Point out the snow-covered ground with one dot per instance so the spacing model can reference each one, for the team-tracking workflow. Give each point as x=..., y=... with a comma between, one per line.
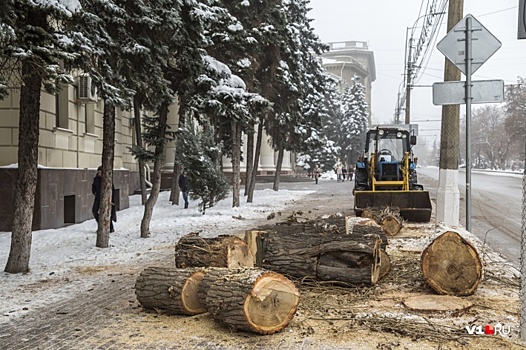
x=58, y=254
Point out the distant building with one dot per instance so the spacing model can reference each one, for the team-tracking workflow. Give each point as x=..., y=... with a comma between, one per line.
x=347, y=59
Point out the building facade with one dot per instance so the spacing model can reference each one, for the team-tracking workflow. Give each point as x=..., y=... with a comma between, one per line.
x=70, y=150
x=348, y=59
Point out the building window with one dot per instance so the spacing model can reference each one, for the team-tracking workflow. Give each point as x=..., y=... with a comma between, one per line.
x=89, y=117
x=62, y=107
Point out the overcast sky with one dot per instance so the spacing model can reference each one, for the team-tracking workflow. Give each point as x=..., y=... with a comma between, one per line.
x=383, y=25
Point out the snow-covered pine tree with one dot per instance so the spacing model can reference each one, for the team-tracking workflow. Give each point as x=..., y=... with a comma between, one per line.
x=35, y=37
x=357, y=117
x=200, y=155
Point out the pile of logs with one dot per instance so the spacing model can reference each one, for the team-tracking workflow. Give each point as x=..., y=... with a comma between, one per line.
x=388, y=218
x=249, y=299
x=245, y=283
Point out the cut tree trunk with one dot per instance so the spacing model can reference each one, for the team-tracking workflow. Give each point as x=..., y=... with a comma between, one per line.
x=222, y=251
x=385, y=264
x=170, y=289
x=388, y=218
x=363, y=226
x=255, y=300
x=321, y=250
x=451, y=265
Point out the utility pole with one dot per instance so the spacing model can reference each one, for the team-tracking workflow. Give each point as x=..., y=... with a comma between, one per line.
x=408, y=86
x=448, y=195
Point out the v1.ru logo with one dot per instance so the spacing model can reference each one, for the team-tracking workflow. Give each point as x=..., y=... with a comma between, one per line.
x=488, y=329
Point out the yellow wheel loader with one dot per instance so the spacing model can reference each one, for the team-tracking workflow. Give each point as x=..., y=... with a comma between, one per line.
x=385, y=174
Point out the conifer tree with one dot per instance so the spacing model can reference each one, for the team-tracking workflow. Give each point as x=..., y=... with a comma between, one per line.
x=35, y=38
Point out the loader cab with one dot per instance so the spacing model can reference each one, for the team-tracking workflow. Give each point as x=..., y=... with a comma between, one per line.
x=389, y=144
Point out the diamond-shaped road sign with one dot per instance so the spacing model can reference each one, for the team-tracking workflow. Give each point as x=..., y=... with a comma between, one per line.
x=453, y=45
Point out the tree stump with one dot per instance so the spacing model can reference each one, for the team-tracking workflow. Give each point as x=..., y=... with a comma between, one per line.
x=321, y=250
x=437, y=303
x=388, y=218
x=170, y=289
x=451, y=265
x=255, y=300
x=222, y=251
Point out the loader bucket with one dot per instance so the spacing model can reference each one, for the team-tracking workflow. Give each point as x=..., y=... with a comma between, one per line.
x=414, y=205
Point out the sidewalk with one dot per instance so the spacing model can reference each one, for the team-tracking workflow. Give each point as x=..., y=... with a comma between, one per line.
x=91, y=305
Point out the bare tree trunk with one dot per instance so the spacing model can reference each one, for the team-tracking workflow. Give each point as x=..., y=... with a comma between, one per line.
x=26, y=183
x=106, y=192
x=256, y=162
x=236, y=160
x=175, y=190
x=156, y=178
x=138, y=136
x=249, y=157
x=281, y=152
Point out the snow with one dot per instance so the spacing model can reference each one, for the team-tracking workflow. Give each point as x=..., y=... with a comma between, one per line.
x=71, y=6
x=59, y=254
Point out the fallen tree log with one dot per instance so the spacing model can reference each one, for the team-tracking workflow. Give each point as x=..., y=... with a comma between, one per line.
x=451, y=265
x=321, y=250
x=359, y=226
x=222, y=251
x=388, y=218
x=170, y=289
x=253, y=300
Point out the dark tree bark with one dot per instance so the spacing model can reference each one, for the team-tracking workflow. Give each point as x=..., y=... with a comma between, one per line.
x=255, y=300
x=138, y=136
x=26, y=184
x=236, y=161
x=279, y=162
x=106, y=193
x=249, y=159
x=156, y=178
x=256, y=161
x=170, y=289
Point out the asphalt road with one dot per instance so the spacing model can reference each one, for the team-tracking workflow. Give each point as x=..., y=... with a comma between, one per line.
x=496, y=200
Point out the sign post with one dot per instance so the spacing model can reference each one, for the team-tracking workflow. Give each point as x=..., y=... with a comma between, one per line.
x=468, y=45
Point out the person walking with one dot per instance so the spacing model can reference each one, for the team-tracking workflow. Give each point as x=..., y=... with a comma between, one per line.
x=96, y=187
x=316, y=172
x=183, y=186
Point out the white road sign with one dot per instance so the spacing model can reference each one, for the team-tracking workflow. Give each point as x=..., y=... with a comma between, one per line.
x=454, y=92
x=453, y=45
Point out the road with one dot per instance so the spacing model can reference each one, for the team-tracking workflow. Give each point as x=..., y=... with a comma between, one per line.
x=496, y=200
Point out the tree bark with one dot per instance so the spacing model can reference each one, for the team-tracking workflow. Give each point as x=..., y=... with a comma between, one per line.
x=156, y=178
x=222, y=251
x=236, y=161
x=279, y=163
x=106, y=192
x=321, y=250
x=255, y=300
x=451, y=265
x=256, y=161
x=175, y=190
x=170, y=289
x=138, y=140
x=26, y=183
x=363, y=226
x=388, y=218
x=249, y=159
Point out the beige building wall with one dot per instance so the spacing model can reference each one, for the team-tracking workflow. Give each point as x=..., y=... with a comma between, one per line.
x=346, y=59
x=70, y=131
